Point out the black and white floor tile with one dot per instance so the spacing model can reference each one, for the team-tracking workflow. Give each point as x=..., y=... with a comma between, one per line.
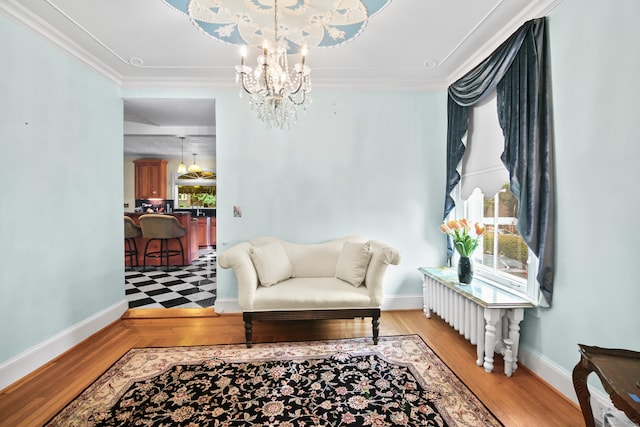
x=191, y=286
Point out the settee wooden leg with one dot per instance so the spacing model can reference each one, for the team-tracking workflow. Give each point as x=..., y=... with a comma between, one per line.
x=248, y=329
x=375, y=323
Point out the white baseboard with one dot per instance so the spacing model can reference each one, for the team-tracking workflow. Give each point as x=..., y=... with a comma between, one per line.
x=549, y=371
x=561, y=380
x=227, y=306
x=403, y=302
x=35, y=357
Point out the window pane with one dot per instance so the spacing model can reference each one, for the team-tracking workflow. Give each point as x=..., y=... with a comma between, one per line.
x=503, y=248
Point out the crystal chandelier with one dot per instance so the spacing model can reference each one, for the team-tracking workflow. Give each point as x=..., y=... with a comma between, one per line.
x=275, y=93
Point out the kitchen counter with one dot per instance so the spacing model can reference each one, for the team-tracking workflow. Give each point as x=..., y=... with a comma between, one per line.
x=189, y=240
x=199, y=212
x=206, y=218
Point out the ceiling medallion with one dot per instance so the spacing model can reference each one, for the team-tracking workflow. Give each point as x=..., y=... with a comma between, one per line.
x=310, y=23
x=279, y=28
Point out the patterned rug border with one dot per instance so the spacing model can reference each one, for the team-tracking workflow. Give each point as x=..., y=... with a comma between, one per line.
x=269, y=351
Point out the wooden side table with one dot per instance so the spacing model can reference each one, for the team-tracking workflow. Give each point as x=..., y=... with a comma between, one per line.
x=619, y=372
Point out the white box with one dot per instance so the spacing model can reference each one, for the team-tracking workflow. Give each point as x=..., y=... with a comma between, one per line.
x=611, y=417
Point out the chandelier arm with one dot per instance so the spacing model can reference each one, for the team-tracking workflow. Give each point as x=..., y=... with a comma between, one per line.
x=304, y=95
x=300, y=85
x=243, y=83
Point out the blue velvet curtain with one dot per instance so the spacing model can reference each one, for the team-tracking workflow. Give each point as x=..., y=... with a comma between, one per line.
x=519, y=71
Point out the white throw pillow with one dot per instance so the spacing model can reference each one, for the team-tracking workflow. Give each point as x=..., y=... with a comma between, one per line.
x=271, y=263
x=353, y=262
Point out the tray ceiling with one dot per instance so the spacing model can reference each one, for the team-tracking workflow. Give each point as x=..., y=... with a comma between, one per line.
x=409, y=44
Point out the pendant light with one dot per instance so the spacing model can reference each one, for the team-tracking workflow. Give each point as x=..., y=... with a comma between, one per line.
x=194, y=168
x=182, y=168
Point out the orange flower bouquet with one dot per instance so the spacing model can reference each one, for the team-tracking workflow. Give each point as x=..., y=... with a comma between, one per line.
x=465, y=235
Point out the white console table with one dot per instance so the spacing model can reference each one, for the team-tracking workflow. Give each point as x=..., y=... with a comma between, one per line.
x=484, y=314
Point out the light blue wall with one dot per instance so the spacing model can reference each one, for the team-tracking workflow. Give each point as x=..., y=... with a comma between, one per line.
x=61, y=217
x=595, y=62
x=357, y=163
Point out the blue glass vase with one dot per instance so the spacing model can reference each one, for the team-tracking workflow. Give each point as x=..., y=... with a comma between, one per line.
x=465, y=270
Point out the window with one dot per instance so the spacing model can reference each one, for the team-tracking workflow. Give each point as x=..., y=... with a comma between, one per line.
x=503, y=258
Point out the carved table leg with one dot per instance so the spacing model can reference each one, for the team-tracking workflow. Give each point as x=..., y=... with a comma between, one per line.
x=480, y=333
x=515, y=316
x=580, y=374
x=492, y=316
x=508, y=357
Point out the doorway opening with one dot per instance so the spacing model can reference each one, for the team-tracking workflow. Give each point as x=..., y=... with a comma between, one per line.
x=160, y=136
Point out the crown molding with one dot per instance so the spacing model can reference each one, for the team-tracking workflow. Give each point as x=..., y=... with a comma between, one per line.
x=179, y=83
x=537, y=10
x=218, y=83
x=382, y=84
x=17, y=13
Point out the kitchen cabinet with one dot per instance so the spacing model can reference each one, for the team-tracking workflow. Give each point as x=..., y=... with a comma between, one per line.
x=203, y=232
x=150, y=179
x=206, y=231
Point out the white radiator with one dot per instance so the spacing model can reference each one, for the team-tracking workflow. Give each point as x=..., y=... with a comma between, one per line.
x=464, y=315
x=467, y=316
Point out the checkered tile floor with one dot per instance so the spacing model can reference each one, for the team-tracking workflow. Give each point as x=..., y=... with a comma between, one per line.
x=193, y=286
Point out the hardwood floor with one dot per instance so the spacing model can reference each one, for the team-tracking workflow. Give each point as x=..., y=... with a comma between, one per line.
x=523, y=400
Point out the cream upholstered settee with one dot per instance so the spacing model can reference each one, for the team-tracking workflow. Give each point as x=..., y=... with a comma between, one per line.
x=280, y=280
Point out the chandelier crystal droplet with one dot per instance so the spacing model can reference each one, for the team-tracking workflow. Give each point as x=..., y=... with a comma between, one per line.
x=274, y=92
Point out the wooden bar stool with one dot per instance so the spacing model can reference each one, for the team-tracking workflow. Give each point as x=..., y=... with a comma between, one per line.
x=163, y=228
x=131, y=231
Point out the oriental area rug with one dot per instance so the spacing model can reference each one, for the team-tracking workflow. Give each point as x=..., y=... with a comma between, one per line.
x=352, y=382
